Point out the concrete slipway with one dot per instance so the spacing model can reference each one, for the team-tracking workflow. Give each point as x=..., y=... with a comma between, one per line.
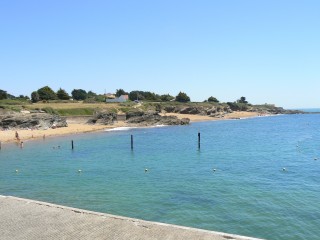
x=28, y=219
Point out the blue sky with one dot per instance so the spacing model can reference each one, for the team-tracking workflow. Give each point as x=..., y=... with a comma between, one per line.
x=267, y=51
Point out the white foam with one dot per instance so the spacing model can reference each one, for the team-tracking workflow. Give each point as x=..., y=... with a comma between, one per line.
x=129, y=128
x=160, y=126
x=119, y=129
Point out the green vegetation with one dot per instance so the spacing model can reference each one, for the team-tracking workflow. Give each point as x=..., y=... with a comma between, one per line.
x=182, y=97
x=35, y=97
x=213, y=99
x=75, y=111
x=120, y=92
x=46, y=93
x=166, y=98
x=236, y=106
x=49, y=110
x=242, y=100
x=3, y=94
x=62, y=94
x=86, y=103
x=79, y=94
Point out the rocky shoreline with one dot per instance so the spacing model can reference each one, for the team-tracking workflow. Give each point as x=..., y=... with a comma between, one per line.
x=137, y=117
x=31, y=121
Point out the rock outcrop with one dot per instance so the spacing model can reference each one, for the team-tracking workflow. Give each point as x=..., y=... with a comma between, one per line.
x=212, y=111
x=103, y=117
x=153, y=118
x=138, y=117
x=31, y=121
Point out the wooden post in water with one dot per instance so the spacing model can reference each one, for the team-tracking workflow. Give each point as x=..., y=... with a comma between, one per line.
x=199, y=140
x=72, y=144
x=0, y=145
x=131, y=142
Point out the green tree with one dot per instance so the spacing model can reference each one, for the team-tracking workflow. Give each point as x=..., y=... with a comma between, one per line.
x=242, y=100
x=91, y=94
x=213, y=99
x=10, y=96
x=46, y=93
x=3, y=94
x=150, y=96
x=79, y=94
x=22, y=97
x=62, y=94
x=136, y=95
x=166, y=97
x=35, y=97
x=182, y=97
x=120, y=92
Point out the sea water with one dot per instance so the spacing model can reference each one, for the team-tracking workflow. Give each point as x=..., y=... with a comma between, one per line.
x=257, y=177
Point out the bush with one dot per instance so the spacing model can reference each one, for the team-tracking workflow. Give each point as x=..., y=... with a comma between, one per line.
x=79, y=94
x=182, y=97
x=46, y=93
x=62, y=94
x=237, y=106
x=213, y=99
x=35, y=96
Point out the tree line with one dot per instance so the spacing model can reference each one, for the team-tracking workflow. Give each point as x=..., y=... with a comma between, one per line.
x=46, y=93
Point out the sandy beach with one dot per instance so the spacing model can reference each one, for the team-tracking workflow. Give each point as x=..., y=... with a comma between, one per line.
x=78, y=126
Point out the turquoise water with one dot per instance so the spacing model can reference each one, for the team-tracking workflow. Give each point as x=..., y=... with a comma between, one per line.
x=248, y=194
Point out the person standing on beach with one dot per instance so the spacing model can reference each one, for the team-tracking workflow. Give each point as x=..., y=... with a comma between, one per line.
x=17, y=135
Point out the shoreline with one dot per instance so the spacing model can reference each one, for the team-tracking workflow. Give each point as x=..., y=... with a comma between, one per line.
x=76, y=127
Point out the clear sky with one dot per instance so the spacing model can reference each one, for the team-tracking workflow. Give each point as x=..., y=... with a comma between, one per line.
x=265, y=50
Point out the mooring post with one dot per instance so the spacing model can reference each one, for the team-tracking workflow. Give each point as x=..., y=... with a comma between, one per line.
x=131, y=142
x=72, y=144
x=0, y=145
x=198, y=139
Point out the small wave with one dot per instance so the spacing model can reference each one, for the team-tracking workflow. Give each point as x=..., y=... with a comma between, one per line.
x=130, y=128
x=160, y=126
x=119, y=129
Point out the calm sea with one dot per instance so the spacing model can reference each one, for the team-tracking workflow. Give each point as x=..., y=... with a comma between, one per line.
x=265, y=183
x=309, y=110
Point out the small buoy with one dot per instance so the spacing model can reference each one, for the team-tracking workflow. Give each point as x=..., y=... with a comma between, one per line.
x=214, y=169
x=146, y=170
x=284, y=169
x=17, y=170
x=315, y=158
x=79, y=171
